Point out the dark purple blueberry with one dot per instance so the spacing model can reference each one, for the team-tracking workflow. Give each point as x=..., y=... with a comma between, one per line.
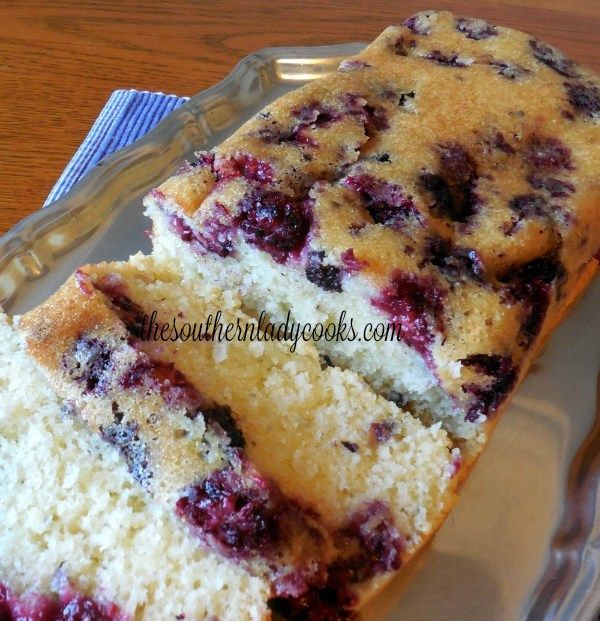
x=475, y=28
x=499, y=142
x=351, y=263
x=406, y=97
x=417, y=24
x=509, y=70
x=221, y=418
x=456, y=263
x=379, y=543
x=553, y=58
x=500, y=377
x=382, y=431
x=351, y=64
x=449, y=60
x=234, y=512
x=548, y=153
x=89, y=363
x=115, y=289
x=319, y=603
x=415, y=305
x=531, y=284
x=124, y=436
x=453, y=187
x=243, y=165
x=402, y=46
x=386, y=202
x=584, y=97
x=530, y=206
x=372, y=117
x=275, y=223
x=316, y=113
x=328, y=277
x=557, y=188
x=325, y=361
x=350, y=446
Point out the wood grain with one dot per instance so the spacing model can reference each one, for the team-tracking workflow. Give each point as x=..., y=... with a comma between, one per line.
x=59, y=61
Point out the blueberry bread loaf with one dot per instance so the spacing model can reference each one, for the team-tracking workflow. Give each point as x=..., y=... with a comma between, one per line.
x=443, y=183
x=292, y=469
x=80, y=540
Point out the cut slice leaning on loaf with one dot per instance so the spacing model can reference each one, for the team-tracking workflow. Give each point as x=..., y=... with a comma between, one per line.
x=298, y=473
x=444, y=183
x=78, y=535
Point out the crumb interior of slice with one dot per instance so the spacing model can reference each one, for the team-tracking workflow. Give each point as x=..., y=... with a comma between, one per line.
x=299, y=473
x=391, y=367
x=312, y=429
x=71, y=509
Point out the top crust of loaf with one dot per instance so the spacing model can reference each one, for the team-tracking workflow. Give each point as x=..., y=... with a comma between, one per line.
x=452, y=158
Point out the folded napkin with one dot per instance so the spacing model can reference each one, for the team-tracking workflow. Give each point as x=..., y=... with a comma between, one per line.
x=127, y=116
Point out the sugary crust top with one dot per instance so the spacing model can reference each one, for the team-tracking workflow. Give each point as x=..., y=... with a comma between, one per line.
x=451, y=158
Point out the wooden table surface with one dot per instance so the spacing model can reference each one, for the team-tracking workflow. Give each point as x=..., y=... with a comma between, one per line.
x=60, y=60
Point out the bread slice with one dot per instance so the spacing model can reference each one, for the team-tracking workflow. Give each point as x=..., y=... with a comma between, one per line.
x=75, y=525
x=299, y=473
x=442, y=185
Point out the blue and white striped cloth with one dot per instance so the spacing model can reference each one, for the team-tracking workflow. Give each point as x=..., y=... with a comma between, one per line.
x=127, y=116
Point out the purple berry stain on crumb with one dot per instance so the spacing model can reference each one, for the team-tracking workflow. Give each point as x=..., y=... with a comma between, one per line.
x=233, y=511
x=275, y=223
x=370, y=544
x=531, y=284
x=415, y=305
x=476, y=29
x=386, y=202
x=453, y=187
x=456, y=263
x=88, y=363
x=216, y=235
x=328, y=277
x=243, y=165
x=553, y=58
x=584, y=97
x=351, y=263
x=548, y=154
x=124, y=436
x=500, y=376
x=351, y=64
x=381, y=431
x=456, y=465
x=67, y=605
x=172, y=385
x=204, y=159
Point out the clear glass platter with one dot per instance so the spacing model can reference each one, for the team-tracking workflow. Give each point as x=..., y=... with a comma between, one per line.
x=524, y=540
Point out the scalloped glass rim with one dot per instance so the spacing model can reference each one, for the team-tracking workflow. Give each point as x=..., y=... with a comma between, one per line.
x=100, y=219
